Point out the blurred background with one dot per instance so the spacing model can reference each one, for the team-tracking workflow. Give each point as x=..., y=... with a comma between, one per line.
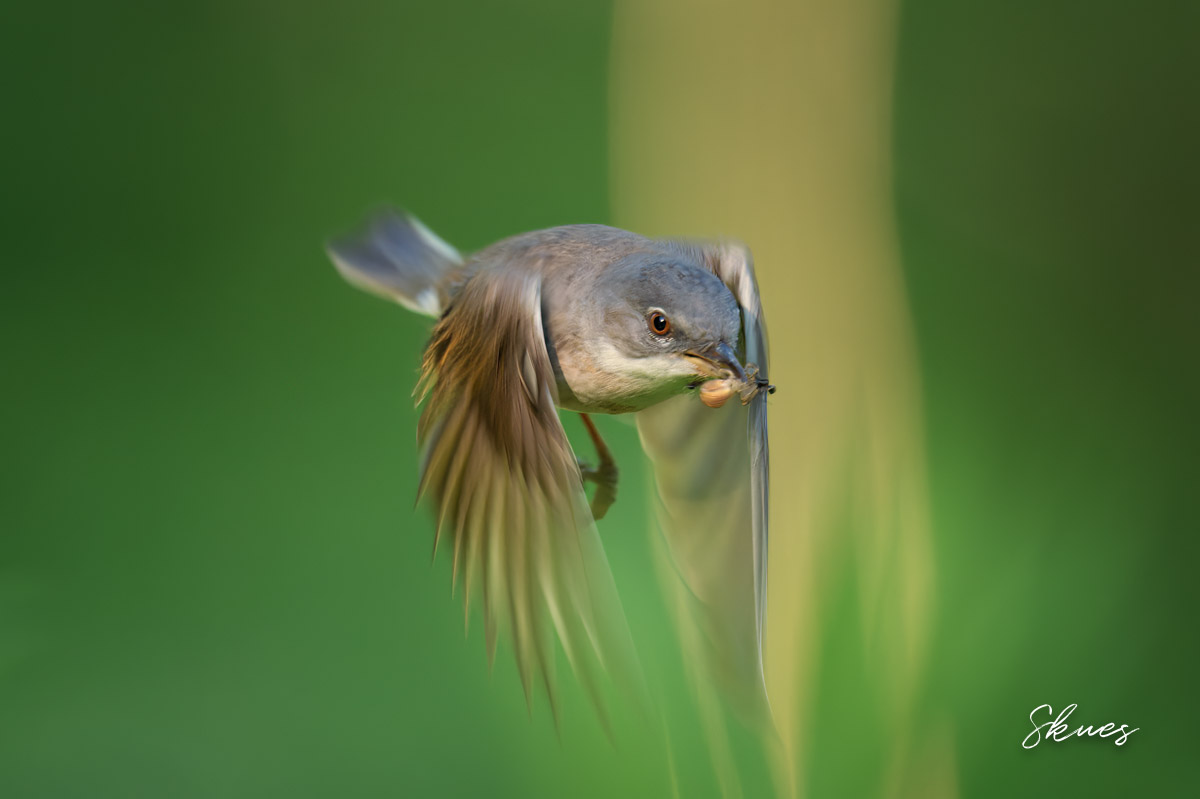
x=975, y=232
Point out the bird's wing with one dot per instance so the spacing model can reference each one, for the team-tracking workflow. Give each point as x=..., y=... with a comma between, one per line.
x=711, y=467
x=506, y=485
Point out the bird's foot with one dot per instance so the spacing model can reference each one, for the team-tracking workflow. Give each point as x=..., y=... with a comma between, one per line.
x=604, y=474
x=605, y=477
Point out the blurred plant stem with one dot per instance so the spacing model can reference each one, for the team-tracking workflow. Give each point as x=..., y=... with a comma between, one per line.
x=771, y=122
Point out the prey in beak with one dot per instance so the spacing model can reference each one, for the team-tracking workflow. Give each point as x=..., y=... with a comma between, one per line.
x=722, y=376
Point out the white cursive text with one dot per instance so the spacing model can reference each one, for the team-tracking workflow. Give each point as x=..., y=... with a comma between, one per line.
x=1058, y=728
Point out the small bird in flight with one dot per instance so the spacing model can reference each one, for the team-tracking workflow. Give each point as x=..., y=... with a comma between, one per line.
x=591, y=319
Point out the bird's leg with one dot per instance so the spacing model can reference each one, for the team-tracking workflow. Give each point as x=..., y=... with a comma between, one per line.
x=604, y=475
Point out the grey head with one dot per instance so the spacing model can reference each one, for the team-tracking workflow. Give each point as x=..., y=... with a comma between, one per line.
x=656, y=324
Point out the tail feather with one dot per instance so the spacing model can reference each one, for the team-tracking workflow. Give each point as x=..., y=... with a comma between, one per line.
x=397, y=257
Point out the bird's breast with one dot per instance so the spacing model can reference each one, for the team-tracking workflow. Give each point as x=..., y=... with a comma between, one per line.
x=594, y=377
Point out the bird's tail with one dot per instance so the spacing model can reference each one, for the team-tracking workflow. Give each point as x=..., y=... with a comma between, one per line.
x=397, y=257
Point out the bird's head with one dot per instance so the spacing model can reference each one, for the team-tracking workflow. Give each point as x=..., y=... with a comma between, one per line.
x=671, y=323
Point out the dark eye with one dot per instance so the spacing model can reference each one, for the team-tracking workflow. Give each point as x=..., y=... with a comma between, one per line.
x=660, y=325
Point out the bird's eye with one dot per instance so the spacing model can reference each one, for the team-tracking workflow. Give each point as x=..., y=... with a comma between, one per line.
x=660, y=325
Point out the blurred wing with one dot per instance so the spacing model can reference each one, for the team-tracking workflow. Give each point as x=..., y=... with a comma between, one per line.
x=506, y=485
x=711, y=467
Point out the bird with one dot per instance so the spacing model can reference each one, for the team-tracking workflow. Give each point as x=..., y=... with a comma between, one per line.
x=589, y=319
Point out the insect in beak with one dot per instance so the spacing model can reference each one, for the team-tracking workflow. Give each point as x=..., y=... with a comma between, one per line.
x=723, y=376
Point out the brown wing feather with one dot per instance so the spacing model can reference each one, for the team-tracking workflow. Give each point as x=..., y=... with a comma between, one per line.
x=506, y=486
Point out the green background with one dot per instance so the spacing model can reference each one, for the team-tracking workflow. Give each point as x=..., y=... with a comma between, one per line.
x=212, y=581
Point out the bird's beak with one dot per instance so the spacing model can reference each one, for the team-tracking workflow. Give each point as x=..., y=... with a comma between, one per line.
x=716, y=360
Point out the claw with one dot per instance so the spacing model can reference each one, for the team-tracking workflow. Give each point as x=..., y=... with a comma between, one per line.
x=604, y=475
